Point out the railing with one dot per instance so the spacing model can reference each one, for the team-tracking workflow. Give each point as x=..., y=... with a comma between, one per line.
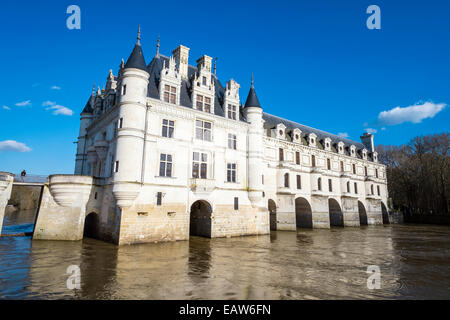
x=31, y=178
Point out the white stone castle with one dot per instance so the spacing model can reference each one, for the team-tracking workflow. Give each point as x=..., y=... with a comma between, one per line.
x=166, y=151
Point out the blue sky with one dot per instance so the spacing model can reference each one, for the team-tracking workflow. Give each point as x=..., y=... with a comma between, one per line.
x=314, y=62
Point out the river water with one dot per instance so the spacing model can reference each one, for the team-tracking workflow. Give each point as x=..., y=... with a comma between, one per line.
x=414, y=262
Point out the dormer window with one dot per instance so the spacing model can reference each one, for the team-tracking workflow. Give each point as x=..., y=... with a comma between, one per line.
x=312, y=139
x=281, y=131
x=364, y=154
x=204, y=81
x=203, y=103
x=328, y=144
x=353, y=150
x=170, y=94
x=340, y=147
x=297, y=135
x=375, y=156
x=232, y=112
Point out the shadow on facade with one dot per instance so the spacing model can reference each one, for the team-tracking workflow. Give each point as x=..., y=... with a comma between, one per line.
x=200, y=219
x=273, y=214
x=303, y=213
x=336, y=216
x=362, y=214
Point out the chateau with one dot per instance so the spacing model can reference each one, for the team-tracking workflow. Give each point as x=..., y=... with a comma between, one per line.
x=166, y=151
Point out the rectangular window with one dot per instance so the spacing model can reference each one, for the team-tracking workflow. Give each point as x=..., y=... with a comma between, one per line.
x=116, y=167
x=365, y=171
x=165, y=165
x=158, y=198
x=328, y=164
x=170, y=94
x=232, y=141
x=116, y=125
x=167, y=128
x=281, y=151
x=297, y=157
x=231, y=112
x=203, y=103
x=231, y=172
x=313, y=160
x=342, y=166
x=124, y=89
x=356, y=188
x=203, y=130
x=354, y=168
x=330, y=185
x=262, y=179
x=299, y=181
x=376, y=173
x=236, y=203
x=199, y=165
x=378, y=190
x=121, y=123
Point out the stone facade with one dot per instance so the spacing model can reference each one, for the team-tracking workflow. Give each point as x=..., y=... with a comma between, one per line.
x=6, y=183
x=165, y=151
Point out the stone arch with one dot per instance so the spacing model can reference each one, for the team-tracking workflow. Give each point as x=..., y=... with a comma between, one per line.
x=336, y=216
x=303, y=213
x=200, y=219
x=362, y=214
x=272, y=214
x=91, y=226
x=384, y=213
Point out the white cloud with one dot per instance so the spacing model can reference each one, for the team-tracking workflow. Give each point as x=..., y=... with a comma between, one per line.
x=370, y=130
x=343, y=134
x=384, y=128
x=6, y=107
x=24, y=103
x=12, y=145
x=60, y=110
x=48, y=103
x=415, y=113
x=55, y=88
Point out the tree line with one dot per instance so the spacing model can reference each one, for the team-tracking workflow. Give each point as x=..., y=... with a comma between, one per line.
x=418, y=174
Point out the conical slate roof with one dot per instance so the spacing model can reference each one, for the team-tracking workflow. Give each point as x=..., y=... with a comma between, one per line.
x=88, y=108
x=136, y=59
x=252, y=99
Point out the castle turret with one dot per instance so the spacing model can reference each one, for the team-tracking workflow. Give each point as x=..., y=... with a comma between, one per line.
x=253, y=114
x=131, y=132
x=85, y=121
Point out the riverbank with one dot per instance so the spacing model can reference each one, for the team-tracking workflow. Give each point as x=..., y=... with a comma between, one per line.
x=427, y=219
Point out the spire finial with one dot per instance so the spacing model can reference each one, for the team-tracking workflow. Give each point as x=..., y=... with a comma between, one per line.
x=252, y=79
x=157, y=47
x=139, y=36
x=215, y=65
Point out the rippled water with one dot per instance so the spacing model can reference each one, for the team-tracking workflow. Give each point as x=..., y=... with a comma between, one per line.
x=307, y=264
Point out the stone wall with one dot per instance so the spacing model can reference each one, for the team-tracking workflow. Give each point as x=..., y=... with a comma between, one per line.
x=6, y=181
x=25, y=197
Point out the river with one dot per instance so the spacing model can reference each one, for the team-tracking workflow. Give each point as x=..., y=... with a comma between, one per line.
x=414, y=263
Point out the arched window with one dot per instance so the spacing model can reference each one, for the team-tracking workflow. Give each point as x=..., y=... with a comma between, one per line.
x=371, y=189
x=319, y=184
x=348, y=186
x=286, y=180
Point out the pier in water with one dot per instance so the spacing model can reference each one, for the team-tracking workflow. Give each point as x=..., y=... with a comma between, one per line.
x=414, y=261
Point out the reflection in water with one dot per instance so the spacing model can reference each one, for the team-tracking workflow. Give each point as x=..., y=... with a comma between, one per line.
x=307, y=264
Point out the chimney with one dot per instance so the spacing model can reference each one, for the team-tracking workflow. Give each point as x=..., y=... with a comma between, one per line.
x=204, y=62
x=181, y=56
x=367, y=141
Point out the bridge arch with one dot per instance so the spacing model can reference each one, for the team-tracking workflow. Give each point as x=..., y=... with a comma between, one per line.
x=303, y=213
x=91, y=226
x=336, y=216
x=362, y=214
x=200, y=219
x=384, y=213
x=271, y=205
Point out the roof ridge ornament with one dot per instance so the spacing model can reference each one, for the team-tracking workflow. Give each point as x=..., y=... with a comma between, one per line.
x=157, y=46
x=252, y=80
x=139, y=36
